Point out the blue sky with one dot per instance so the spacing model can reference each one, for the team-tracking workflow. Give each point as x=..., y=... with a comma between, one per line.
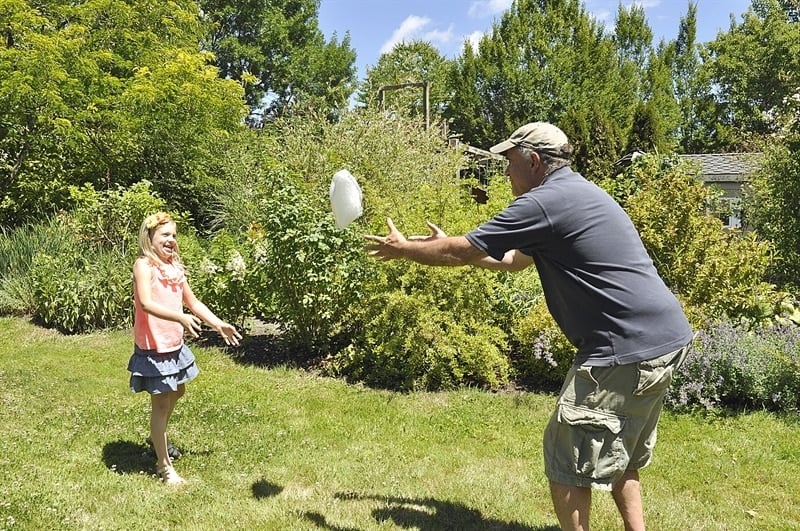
x=375, y=26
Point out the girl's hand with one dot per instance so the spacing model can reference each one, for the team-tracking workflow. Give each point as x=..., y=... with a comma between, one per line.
x=191, y=324
x=229, y=334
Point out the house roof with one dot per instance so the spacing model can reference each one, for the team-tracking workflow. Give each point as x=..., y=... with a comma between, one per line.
x=726, y=166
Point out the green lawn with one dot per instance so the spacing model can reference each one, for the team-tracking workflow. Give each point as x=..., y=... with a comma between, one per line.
x=283, y=449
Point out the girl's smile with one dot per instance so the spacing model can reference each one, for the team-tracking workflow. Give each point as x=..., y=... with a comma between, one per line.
x=164, y=241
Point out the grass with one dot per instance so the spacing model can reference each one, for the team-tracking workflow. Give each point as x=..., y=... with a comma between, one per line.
x=283, y=449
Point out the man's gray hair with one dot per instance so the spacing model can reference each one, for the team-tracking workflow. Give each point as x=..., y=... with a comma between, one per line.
x=551, y=163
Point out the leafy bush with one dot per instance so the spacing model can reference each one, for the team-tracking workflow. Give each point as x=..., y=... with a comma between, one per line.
x=18, y=250
x=110, y=219
x=409, y=344
x=735, y=368
x=542, y=354
x=79, y=292
x=220, y=276
x=716, y=272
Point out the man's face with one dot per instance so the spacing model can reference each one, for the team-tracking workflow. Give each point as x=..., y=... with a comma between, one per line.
x=526, y=172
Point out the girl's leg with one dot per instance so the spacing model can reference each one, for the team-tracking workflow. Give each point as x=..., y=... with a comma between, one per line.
x=162, y=405
x=173, y=398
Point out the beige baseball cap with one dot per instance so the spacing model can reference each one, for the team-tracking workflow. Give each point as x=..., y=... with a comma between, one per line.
x=540, y=136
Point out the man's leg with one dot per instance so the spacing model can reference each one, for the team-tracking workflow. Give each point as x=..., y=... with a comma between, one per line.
x=628, y=497
x=572, y=505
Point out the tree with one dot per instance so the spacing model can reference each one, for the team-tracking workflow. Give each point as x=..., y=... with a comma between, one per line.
x=545, y=60
x=772, y=197
x=655, y=116
x=753, y=67
x=414, y=62
x=107, y=93
x=275, y=48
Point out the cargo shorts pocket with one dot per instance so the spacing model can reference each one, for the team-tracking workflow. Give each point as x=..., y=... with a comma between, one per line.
x=655, y=375
x=597, y=448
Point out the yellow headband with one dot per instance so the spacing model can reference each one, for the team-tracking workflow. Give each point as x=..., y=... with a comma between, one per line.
x=154, y=220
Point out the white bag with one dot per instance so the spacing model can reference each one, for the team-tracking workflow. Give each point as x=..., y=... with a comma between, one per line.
x=345, y=198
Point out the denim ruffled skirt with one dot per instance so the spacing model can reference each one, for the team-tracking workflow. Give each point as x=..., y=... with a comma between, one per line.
x=161, y=372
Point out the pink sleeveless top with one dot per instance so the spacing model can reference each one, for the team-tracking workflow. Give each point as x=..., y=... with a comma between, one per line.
x=149, y=331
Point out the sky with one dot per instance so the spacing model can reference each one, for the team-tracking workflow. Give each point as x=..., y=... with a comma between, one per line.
x=375, y=26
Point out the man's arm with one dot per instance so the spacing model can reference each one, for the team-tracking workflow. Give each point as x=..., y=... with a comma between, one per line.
x=513, y=260
x=440, y=250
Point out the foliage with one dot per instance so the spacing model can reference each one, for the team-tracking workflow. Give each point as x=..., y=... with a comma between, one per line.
x=276, y=50
x=18, y=251
x=222, y=278
x=110, y=219
x=107, y=93
x=771, y=202
x=740, y=369
x=715, y=271
x=414, y=62
x=417, y=341
x=406, y=172
x=298, y=268
x=541, y=354
x=75, y=292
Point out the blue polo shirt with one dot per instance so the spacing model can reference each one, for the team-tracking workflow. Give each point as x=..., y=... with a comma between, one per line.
x=599, y=283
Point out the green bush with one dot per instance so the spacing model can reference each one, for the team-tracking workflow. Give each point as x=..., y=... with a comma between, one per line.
x=221, y=275
x=410, y=344
x=18, y=250
x=541, y=353
x=79, y=292
x=110, y=219
x=717, y=273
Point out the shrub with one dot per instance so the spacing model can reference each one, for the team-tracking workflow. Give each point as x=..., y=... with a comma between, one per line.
x=542, y=354
x=730, y=367
x=220, y=275
x=110, y=219
x=409, y=344
x=18, y=251
x=717, y=272
x=79, y=292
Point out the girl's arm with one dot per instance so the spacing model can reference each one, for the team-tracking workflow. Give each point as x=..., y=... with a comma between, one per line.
x=228, y=332
x=141, y=278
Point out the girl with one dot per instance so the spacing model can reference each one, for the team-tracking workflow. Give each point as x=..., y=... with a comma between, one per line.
x=161, y=363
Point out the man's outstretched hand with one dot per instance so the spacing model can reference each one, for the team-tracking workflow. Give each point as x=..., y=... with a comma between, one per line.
x=386, y=247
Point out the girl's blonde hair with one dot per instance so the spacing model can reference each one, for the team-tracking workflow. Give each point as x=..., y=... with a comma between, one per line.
x=150, y=224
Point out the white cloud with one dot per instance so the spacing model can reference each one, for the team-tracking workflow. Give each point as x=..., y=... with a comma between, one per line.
x=645, y=4
x=485, y=8
x=409, y=29
x=413, y=29
x=474, y=38
x=442, y=36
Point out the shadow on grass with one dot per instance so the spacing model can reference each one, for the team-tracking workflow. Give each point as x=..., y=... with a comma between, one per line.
x=427, y=514
x=262, y=349
x=126, y=457
x=265, y=489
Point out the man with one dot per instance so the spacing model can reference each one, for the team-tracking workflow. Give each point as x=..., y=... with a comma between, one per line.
x=605, y=294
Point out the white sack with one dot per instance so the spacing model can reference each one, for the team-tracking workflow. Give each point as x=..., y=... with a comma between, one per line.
x=345, y=198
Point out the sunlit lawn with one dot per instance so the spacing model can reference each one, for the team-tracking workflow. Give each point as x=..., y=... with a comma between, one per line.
x=283, y=449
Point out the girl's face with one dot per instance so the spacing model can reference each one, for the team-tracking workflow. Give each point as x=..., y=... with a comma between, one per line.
x=164, y=240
